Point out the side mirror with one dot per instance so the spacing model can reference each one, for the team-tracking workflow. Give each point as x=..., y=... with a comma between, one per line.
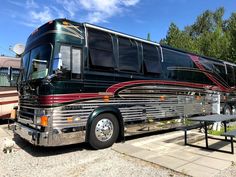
x=9, y=73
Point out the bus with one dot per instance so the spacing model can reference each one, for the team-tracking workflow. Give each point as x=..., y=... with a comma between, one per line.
x=85, y=83
x=8, y=92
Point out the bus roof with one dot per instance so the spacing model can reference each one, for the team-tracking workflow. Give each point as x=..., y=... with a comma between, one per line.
x=88, y=25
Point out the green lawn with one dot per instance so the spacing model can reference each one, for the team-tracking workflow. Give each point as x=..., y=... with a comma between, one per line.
x=215, y=132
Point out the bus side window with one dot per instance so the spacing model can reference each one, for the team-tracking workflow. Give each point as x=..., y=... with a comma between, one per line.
x=100, y=50
x=234, y=75
x=65, y=51
x=230, y=75
x=128, y=55
x=76, y=62
x=65, y=55
x=151, y=59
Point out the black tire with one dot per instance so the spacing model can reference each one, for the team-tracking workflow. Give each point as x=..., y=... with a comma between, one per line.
x=227, y=110
x=95, y=140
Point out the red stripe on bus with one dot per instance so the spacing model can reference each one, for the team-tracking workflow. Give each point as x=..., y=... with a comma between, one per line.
x=196, y=60
x=118, y=86
x=8, y=94
x=63, y=98
x=8, y=102
x=54, y=99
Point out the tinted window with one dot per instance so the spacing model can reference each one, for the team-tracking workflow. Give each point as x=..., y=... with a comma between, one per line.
x=25, y=63
x=208, y=65
x=65, y=55
x=230, y=75
x=76, y=63
x=234, y=73
x=151, y=58
x=100, y=49
x=39, y=61
x=66, y=61
x=71, y=61
x=199, y=77
x=128, y=55
x=220, y=71
x=179, y=66
x=175, y=58
x=176, y=64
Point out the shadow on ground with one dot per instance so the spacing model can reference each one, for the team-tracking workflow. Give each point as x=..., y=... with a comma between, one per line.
x=38, y=151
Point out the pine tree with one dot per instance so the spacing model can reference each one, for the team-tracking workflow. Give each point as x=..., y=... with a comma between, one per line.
x=210, y=35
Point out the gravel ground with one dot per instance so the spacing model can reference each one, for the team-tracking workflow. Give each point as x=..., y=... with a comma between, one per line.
x=72, y=161
x=79, y=160
x=229, y=172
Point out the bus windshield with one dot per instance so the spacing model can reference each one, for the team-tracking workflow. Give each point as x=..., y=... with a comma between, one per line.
x=36, y=62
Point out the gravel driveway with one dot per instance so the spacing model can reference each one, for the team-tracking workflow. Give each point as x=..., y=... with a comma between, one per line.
x=73, y=161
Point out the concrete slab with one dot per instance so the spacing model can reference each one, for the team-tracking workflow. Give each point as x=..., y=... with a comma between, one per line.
x=126, y=148
x=196, y=170
x=168, y=161
x=223, y=156
x=168, y=151
x=214, y=163
x=145, y=154
x=185, y=155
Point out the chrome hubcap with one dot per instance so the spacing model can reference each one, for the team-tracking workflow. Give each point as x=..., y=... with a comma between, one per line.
x=104, y=130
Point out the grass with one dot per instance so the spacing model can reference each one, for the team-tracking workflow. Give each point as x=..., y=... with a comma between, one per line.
x=215, y=132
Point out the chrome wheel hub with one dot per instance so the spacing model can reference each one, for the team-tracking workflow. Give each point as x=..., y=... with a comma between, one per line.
x=104, y=130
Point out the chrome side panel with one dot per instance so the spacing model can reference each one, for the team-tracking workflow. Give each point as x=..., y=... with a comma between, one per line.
x=143, y=106
x=136, y=106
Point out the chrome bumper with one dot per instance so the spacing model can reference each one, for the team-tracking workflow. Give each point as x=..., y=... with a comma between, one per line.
x=55, y=138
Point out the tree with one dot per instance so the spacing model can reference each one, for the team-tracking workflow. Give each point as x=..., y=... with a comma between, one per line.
x=231, y=31
x=179, y=39
x=210, y=35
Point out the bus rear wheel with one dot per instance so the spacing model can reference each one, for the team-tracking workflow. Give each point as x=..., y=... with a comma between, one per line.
x=104, y=131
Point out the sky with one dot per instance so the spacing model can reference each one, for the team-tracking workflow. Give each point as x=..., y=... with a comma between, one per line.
x=135, y=17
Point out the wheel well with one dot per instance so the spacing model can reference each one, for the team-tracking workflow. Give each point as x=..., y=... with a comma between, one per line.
x=112, y=111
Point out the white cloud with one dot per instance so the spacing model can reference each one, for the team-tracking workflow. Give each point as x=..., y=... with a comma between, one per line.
x=93, y=11
x=31, y=4
x=58, y=13
x=130, y=2
x=97, y=10
x=41, y=16
x=16, y=3
x=71, y=6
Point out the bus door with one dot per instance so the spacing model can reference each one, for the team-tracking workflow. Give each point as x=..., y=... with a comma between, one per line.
x=70, y=66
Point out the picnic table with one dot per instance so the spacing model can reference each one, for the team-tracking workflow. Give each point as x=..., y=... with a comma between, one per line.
x=210, y=119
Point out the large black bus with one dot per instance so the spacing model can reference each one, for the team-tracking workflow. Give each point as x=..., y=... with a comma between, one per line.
x=82, y=82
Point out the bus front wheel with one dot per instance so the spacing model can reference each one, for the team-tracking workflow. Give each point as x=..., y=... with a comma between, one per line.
x=104, y=131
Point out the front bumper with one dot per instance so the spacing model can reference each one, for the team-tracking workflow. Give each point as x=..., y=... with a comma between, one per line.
x=56, y=138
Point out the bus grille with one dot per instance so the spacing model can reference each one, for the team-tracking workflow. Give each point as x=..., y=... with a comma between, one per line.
x=27, y=107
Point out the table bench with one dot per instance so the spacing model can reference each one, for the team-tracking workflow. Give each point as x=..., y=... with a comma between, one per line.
x=210, y=119
x=230, y=134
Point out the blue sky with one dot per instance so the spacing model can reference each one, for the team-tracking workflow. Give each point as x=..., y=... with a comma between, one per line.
x=136, y=17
